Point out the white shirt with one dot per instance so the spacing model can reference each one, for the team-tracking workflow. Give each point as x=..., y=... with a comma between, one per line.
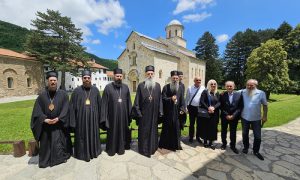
x=190, y=93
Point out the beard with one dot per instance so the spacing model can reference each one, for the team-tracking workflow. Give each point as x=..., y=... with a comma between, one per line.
x=118, y=83
x=250, y=92
x=149, y=83
x=174, y=86
x=87, y=84
x=52, y=87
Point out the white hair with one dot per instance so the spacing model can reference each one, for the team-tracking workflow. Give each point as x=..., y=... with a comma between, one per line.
x=209, y=87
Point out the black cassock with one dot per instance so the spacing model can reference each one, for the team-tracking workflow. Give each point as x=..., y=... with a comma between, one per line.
x=85, y=119
x=146, y=112
x=170, y=134
x=115, y=111
x=54, y=140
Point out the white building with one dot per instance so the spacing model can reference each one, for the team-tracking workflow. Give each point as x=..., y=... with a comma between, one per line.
x=99, y=77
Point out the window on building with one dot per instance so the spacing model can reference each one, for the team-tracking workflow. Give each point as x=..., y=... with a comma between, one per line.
x=77, y=79
x=133, y=46
x=192, y=72
x=160, y=74
x=169, y=33
x=104, y=71
x=10, y=82
x=134, y=60
x=70, y=86
x=72, y=79
x=28, y=82
x=96, y=79
x=176, y=32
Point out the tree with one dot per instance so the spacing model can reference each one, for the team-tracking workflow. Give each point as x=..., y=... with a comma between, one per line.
x=292, y=45
x=283, y=31
x=237, y=51
x=206, y=49
x=268, y=64
x=55, y=41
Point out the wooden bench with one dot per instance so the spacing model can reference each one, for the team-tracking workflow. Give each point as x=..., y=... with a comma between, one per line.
x=18, y=147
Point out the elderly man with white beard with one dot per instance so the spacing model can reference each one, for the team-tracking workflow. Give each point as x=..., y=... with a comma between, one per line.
x=147, y=109
x=173, y=105
x=251, y=115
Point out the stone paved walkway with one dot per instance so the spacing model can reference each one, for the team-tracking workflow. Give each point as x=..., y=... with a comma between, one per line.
x=280, y=147
x=17, y=98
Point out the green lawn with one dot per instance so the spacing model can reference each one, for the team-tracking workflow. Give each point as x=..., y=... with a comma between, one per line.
x=15, y=117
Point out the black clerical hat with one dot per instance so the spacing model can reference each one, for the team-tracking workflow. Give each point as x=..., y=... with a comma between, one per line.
x=117, y=71
x=149, y=68
x=174, y=73
x=180, y=73
x=51, y=74
x=86, y=72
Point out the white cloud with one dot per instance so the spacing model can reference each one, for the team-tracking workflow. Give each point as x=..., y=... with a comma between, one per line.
x=96, y=41
x=121, y=47
x=222, y=38
x=186, y=5
x=105, y=14
x=195, y=17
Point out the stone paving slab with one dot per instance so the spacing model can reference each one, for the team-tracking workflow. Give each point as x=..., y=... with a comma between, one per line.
x=280, y=147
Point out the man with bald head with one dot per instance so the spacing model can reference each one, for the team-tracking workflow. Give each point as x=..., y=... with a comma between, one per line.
x=193, y=95
x=253, y=99
x=231, y=106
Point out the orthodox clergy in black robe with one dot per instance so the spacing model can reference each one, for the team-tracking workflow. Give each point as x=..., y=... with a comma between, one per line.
x=115, y=111
x=49, y=124
x=182, y=117
x=173, y=105
x=85, y=119
x=147, y=109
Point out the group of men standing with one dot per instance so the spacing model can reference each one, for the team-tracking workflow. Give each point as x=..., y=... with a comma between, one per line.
x=54, y=116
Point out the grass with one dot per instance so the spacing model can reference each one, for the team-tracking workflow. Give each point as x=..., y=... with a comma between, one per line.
x=15, y=118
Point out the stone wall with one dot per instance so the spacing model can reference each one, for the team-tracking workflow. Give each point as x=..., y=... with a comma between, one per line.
x=27, y=77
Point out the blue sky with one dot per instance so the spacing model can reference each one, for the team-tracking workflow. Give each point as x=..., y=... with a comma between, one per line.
x=107, y=24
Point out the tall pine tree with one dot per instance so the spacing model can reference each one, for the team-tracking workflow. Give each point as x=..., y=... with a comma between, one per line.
x=55, y=41
x=206, y=49
x=237, y=51
x=283, y=31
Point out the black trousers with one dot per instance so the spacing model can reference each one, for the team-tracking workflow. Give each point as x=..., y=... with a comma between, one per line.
x=193, y=111
x=232, y=128
x=256, y=127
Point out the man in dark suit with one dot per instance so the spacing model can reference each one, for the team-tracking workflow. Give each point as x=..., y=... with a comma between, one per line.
x=231, y=107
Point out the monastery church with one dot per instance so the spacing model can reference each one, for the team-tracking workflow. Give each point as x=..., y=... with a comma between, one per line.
x=164, y=54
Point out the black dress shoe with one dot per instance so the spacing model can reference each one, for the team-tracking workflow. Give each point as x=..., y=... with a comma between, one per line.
x=259, y=156
x=235, y=150
x=213, y=147
x=206, y=145
x=223, y=147
x=245, y=151
x=199, y=140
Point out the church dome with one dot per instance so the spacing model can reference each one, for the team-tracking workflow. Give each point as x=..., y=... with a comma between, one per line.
x=174, y=22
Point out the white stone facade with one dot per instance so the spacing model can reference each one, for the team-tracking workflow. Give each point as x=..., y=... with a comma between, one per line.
x=164, y=54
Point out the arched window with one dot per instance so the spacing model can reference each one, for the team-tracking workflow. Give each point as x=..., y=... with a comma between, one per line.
x=134, y=60
x=176, y=32
x=10, y=82
x=29, y=82
x=160, y=74
x=169, y=33
x=133, y=46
